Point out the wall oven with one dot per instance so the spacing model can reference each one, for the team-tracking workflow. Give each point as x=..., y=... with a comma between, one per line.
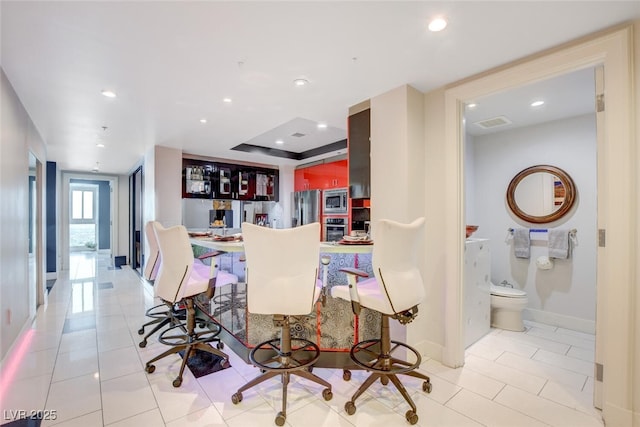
x=334, y=228
x=335, y=202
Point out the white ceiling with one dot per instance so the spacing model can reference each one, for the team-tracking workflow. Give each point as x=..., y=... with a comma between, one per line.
x=172, y=63
x=565, y=96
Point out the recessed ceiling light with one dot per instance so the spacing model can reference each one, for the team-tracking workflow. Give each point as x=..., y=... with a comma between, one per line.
x=108, y=93
x=279, y=142
x=437, y=24
x=300, y=82
x=227, y=100
x=322, y=125
x=203, y=120
x=537, y=103
x=472, y=105
x=100, y=145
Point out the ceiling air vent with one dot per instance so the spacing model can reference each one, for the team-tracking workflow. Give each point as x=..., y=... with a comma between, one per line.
x=493, y=122
x=298, y=134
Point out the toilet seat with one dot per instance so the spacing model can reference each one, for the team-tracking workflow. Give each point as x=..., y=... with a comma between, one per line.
x=503, y=291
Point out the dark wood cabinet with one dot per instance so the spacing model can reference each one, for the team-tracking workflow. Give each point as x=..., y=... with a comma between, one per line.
x=359, y=133
x=215, y=180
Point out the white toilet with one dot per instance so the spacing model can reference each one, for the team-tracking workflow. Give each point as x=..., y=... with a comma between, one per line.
x=506, y=307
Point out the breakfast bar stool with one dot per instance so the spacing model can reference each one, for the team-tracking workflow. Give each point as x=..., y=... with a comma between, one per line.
x=282, y=280
x=179, y=282
x=161, y=314
x=395, y=292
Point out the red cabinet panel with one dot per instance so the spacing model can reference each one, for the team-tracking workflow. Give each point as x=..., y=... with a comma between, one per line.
x=322, y=176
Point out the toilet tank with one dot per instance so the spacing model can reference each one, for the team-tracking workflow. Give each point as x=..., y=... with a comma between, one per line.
x=477, y=296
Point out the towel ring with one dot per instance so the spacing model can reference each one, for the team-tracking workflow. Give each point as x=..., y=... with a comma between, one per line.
x=556, y=186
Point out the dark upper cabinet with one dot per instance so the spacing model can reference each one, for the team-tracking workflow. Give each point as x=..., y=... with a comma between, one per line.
x=244, y=180
x=197, y=180
x=214, y=180
x=266, y=185
x=359, y=133
x=225, y=190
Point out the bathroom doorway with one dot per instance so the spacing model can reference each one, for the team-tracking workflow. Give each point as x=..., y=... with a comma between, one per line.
x=549, y=122
x=614, y=149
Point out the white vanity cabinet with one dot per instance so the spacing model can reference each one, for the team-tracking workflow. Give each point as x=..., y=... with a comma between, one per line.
x=477, y=296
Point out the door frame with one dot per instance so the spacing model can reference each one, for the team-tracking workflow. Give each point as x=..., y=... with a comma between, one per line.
x=94, y=188
x=64, y=209
x=136, y=204
x=612, y=50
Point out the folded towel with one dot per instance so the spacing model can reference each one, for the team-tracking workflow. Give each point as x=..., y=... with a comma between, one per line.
x=559, y=243
x=521, y=242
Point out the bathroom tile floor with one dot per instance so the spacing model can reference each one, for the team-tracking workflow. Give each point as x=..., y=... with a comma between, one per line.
x=80, y=361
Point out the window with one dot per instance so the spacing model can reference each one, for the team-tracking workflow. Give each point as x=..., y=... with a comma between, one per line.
x=82, y=205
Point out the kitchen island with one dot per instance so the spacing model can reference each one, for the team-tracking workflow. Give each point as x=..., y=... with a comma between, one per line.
x=332, y=326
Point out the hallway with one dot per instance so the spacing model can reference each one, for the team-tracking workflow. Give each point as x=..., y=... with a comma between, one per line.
x=80, y=361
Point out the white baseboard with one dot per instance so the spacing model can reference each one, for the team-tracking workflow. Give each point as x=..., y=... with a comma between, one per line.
x=19, y=338
x=430, y=350
x=619, y=417
x=555, y=319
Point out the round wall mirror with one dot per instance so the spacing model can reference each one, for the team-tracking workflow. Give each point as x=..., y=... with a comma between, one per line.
x=541, y=194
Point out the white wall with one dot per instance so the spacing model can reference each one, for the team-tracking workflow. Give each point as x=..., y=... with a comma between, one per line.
x=168, y=185
x=18, y=136
x=397, y=179
x=569, y=289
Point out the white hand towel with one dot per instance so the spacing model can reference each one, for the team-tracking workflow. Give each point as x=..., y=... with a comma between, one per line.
x=559, y=243
x=521, y=242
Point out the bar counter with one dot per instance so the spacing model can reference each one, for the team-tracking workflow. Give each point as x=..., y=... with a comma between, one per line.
x=332, y=326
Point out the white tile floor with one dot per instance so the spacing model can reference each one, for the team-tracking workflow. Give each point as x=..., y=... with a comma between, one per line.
x=95, y=376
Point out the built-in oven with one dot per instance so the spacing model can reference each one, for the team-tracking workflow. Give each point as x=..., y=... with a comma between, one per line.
x=335, y=201
x=334, y=228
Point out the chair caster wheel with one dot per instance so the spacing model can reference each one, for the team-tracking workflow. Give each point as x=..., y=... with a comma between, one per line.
x=384, y=380
x=177, y=382
x=202, y=325
x=280, y=419
x=219, y=345
x=346, y=375
x=327, y=394
x=150, y=369
x=350, y=407
x=236, y=398
x=142, y=344
x=140, y=331
x=411, y=416
x=426, y=386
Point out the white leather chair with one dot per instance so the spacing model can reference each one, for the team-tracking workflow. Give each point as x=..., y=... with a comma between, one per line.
x=282, y=280
x=178, y=281
x=395, y=292
x=162, y=314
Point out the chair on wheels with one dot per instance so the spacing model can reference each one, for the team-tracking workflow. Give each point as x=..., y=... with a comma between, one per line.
x=395, y=292
x=161, y=314
x=282, y=280
x=178, y=281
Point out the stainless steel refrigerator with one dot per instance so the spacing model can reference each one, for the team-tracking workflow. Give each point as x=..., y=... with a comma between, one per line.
x=305, y=207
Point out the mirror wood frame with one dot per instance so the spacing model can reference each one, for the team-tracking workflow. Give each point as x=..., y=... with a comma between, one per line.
x=569, y=200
